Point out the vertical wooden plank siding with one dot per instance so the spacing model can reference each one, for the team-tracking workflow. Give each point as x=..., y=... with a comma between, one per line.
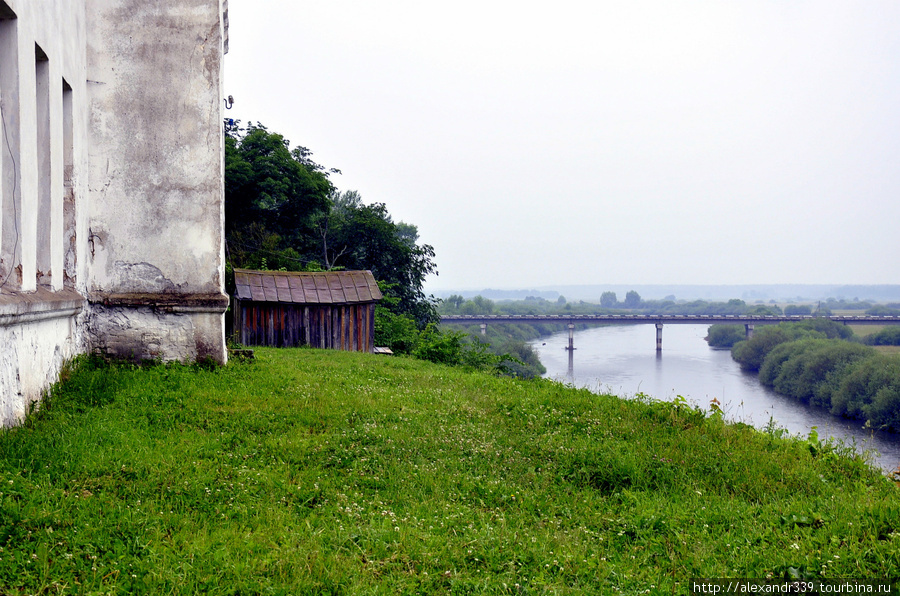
x=333, y=326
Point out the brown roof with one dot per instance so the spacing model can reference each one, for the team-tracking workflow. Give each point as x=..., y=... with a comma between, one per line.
x=303, y=287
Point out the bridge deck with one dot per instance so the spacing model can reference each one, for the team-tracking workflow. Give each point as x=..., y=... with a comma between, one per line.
x=665, y=319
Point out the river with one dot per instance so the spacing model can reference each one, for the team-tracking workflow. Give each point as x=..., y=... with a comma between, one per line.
x=622, y=360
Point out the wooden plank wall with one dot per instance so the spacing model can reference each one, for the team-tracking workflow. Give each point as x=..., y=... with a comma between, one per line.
x=338, y=327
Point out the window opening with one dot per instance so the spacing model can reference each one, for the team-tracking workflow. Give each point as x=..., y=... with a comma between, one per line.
x=10, y=191
x=69, y=253
x=44, y=167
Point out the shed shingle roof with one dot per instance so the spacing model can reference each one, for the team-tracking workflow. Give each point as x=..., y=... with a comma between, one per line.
x=302, y=287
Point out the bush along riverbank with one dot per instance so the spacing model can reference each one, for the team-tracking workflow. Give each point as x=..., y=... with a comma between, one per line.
x=813, y=362
x=322, y=472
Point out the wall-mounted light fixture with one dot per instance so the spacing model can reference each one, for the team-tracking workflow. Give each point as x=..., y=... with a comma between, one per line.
x=229, y=102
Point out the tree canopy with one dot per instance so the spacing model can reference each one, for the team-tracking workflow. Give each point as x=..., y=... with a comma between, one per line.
x=282, y=211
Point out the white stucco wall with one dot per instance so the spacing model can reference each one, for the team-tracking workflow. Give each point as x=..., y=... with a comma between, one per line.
x=35, y=346
x=156, y=224
x=157, y=190
x=40, y=308
x=111, y=194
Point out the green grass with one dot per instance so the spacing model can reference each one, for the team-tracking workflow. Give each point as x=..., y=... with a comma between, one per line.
x=312, y=472
x=866, y=330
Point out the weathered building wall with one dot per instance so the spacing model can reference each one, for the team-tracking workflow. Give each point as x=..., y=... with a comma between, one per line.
x=36, y=342
x=156, y=177
x=42, y=161
x=111, y=197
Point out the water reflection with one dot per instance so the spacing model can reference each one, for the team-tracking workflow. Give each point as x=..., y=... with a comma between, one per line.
x=623, y=360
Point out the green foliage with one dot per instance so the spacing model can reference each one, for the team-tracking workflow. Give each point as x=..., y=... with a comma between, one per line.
x=844, y=304
x=323, y=472
x=813, y=362
x=272, y=197
x=632, y=299
x=442, y=348
x=477, y=306
x=608, y=300
x=520, y=359
x=870, y=390
x=751, y=353
x=359, y=236
x=827, y=327
x=395, y=331
x=283, y=213
x=813, y=371
x=886, y=310
x=889, y=336
x=774, y=361
x=456, y=348
x=797, y=309
x=725, y=336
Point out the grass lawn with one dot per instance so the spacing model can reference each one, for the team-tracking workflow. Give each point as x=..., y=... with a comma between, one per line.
x=313, y=472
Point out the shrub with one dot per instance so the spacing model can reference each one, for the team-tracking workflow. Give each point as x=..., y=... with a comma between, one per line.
x=889, y=336
x=813, y=373
x=772, y=365
x=870, y=390
x=751, y=353
x=439, y=347
x=797, y=309
x=725, y=336
x=395, y=331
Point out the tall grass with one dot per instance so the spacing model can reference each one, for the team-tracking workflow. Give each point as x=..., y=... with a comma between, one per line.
x=313, y=472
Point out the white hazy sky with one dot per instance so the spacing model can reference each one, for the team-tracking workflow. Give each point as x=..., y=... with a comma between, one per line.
x=594, y=142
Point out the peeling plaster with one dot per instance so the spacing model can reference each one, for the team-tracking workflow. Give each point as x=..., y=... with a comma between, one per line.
x=145, y=239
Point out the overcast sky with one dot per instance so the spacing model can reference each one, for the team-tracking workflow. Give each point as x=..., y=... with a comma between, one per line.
x=598, y=142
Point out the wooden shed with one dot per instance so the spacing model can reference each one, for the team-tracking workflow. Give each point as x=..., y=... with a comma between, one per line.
x=333, y=309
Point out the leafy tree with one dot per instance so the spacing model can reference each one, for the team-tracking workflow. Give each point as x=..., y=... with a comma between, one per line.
x=478, y=305
x=751, y=353
x=725, y=336
x=282, y=212
x=359, y=236
x=814, y=372
x=827, y=327
x=608, y=300
x=871, y=390
x=273, y=195
x=885, y=310
x=889, y=336
x=632, y=299
x=797, y=309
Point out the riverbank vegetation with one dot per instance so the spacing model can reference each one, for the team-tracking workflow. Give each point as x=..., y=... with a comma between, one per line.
x=817, y=362
x=326, y=472
x=512, y=337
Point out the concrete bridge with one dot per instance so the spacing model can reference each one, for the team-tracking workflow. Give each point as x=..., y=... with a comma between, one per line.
x=749, y=321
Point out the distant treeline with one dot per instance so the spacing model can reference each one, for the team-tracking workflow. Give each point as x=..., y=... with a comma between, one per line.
x=609, y=304
x=819, y=362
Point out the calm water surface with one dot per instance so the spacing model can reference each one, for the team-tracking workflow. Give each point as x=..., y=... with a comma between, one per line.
x=622, y=360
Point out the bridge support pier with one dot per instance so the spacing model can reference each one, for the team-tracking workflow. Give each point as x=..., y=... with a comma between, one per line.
x=571, y=337
x=659, y=327
x=484, y=329
x=749, y=328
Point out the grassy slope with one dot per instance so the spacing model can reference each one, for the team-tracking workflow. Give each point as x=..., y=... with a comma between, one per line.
x=325, y=472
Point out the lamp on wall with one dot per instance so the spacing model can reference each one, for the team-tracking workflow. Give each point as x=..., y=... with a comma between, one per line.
x=229, y=101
